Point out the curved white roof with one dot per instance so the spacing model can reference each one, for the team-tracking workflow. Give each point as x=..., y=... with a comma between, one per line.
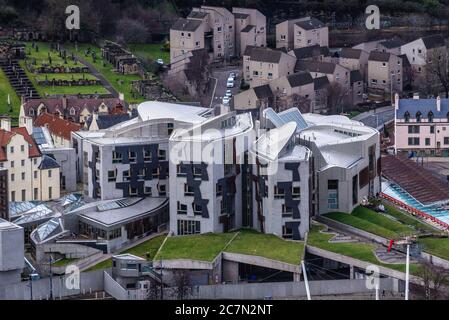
x=153, y=110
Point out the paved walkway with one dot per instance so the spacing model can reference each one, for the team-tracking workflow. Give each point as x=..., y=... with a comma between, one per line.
x=97, y=74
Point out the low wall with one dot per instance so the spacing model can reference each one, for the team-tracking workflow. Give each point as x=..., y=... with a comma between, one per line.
x=279, y=290
x=89, y=282
x=261, y=262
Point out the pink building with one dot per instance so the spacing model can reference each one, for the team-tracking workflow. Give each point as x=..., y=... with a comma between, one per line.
x=422, y=126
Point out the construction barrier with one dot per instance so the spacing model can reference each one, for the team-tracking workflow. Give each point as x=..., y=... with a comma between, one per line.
x=414, y=211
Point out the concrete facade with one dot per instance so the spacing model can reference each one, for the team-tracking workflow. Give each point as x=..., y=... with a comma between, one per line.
x=11, y=253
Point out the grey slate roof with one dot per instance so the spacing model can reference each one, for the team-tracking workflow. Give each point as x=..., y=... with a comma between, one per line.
x=48, y=163
x=320, y=83
x=433, y=41
x=355, y=76
x=379, y=56
x=392, y=43
x=108, y=120
x=263, y=91
x=424, y=106
x=315, y=66
x=241, y=15
x=263, y=54
x=310, y=24
x=350, y=53
x=299, y=79
x=186, y=24
x=311, y=51
x=197, y=15
x=248, y=28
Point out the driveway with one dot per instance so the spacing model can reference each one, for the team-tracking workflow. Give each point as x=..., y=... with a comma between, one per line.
x=221, y=76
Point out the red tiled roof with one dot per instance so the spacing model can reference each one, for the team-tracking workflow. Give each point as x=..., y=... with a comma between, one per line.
x=56, y=125
x=5, y=137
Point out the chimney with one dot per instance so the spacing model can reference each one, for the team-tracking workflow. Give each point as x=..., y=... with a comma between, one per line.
x=396, y=101
x=28, y=124
x=5, y=123
x=64, y=102
x=438, y=104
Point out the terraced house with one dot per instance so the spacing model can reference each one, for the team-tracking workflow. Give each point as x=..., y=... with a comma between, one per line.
x=31, y=175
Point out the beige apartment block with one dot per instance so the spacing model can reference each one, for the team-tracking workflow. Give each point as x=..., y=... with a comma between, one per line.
x=357, y=87
x=300, y=84
x=250, y=29
x=186, y=35
x=284, y=33
x=32, y=176
x=354, y=59
x=334, y=72
x=310, y=32
x=261, y=65
x=312, y=53
x=391, y=46
x=421, y=54
x=254, y=100
x=384, y=74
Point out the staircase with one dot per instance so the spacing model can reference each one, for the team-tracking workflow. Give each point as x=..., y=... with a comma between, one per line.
x=18, y=79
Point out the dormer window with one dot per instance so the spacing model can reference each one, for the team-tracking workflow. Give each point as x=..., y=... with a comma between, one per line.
x=407, y=116
x=418, y=116
x=72, y=111
x=430, y=116
x=31, y=112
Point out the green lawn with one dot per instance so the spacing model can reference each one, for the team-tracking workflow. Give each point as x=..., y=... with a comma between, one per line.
x=42, y=56
x=147, y=250
x=120, y=82
x=436, y=246
x=150, y=50
x=63, y=262
x=5, y=89
x=269, y=246
x=373, y=222
x=356, y=250
x=204, y=247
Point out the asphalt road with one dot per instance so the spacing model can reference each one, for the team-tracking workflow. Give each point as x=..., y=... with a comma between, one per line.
x=222, y=76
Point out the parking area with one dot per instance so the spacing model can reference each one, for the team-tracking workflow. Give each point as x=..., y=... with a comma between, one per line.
x=222, y=76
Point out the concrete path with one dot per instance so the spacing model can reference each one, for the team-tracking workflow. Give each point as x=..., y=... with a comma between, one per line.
x=97, y=74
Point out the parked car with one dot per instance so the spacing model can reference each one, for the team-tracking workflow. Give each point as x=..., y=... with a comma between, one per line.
x=228, y=93
x=232, y=76
x=230, y=83
x=226, y=100
x=160, y=61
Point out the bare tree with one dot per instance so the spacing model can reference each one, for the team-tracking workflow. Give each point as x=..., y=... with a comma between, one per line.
x=435, y=279
x=437, y=69
x=337, y=96
x=182, y=284
x=154, y=291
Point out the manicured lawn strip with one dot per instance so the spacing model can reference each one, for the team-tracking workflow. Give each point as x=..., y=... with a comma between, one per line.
x=146, y=250
x=407, y=219
x=254, y=243
x=150, y=50
x=204, y=247
x=360, y=251
x=64, y=76
x=5, y=89
x=361, y=224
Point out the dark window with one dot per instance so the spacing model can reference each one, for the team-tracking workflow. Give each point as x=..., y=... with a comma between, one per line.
x=430, y=116
x=418, y=116
x=432, y=129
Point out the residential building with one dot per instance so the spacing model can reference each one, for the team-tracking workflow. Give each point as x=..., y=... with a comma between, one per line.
x=250, y=29
x=261, y=65
x=282, y=178
x=391, y=46
x=354, y=59
x=59, y=129
x=384, y=74
x=424, y=55
x=321, y=87
x=189, y=34
x=254, y=100
x=72, y=109
x=357, y=87
x=130, y=159
x=4, y=191
x=32, y=176
x=309, y=32
x=422, y=126
x=311, y=53
x=208, y=175
x=12, y=253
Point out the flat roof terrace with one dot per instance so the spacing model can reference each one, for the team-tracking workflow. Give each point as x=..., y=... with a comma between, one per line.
x=413, y=178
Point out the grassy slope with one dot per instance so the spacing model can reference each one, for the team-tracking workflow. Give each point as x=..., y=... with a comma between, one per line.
x=150, y=50
x=203, y=247
x=361, y=251
x=269, y=246
x=147, y=250
x=121, y=83
x=409, y=220
x=5, y=89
